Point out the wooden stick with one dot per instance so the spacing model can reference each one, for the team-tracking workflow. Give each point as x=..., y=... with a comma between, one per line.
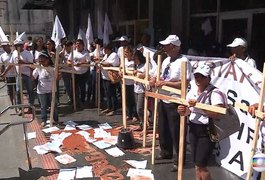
x=155, y=112
x=54, y=87
x=185, y=102
x=123, y=88
x=20, y=82
x=182, y=121
x=146, y=98
x=257, y=126
x=73, y=78
x=98, y=79
x=111, y=68
x=244, y=107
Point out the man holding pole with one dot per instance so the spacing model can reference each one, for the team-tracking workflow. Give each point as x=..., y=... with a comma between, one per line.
x=168, y=118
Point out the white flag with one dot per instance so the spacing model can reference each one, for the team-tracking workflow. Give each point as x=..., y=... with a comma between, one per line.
x=89, y=33
x=82, y=35
x=100, y=24
x=107, y=30
x=3, y=37
x=57, y=32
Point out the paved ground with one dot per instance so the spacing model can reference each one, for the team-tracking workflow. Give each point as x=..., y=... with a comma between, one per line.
x=13, y=152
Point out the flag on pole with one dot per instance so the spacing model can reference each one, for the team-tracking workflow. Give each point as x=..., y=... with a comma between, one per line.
x=20, y=39
x=3, y=37
x=107, y=30
x=89, y=32
x=82, y=35
x=57, y=32
x=100, y=24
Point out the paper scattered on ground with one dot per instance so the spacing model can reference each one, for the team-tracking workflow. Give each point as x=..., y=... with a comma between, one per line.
x=41, y=149
x=84, y=127
x=66, y=174
x=101, y=144
x=111, y=140
x=115, y=152
x=71, y=123
x=105, y=126
x=84, y=172
x=137, y=164
x=60, y=137
x=69, y=127
x=140, y=172
x=47, y=147
x=65, y=159
x=51, y=129
x=101, y=133
x=31, y=135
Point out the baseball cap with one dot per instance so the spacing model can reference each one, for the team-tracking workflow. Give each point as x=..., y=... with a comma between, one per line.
x=204, y=70
x=44, y=53
x=238, y=42
x=5, y=43
x=171, y=39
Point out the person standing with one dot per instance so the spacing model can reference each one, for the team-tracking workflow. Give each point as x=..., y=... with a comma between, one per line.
x=11, y=74
x=239, y=50
x=204, y=92
x=168, y=117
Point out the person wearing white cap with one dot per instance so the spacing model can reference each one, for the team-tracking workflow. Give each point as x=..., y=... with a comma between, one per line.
x=204, y=92
x=124, y=41
x=11, y=74
x=239, y=50
x=26, y=72
x=168, y=117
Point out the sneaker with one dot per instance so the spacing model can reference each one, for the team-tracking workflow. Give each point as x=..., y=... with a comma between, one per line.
x=111, y=113
x=135, y=119
x=19, y=113
x=42, y=124
x=174, y=168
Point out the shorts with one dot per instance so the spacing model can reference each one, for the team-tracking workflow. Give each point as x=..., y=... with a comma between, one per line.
x=11, y=88
x=201, y=145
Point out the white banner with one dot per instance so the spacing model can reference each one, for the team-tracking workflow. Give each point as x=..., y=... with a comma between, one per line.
x=241, y=83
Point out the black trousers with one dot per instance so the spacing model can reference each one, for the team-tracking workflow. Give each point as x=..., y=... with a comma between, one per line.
x=168, y=127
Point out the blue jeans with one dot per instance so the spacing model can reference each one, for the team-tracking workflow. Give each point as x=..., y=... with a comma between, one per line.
x=45, y=102
x=110, y=93
x=26, y=81
x=67, y=80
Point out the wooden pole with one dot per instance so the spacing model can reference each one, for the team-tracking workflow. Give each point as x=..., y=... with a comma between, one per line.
x=257, y=126
x=98, y=79
x=123, y=89
x=155, y=112
x=182, y=121
x=146, y=98
x=20, y=81
x=54, y=87
x=73, y=78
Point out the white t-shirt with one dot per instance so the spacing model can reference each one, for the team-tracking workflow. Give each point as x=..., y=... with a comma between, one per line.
x=139, y=87
x=36, y=55
x=250, y=61
x=45, y=79
x=113, y=60
x=5, y=59
x=26, y=57
x=129, y=65
x=82, y=57
x=198, y=116
x=172, y=72
x=65, y=57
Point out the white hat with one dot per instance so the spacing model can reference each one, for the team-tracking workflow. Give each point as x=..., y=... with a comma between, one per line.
x=124, y=38
x=204, y=70
x=5, y=43
x=171, y=39
x=18, y=41
x=238, y=42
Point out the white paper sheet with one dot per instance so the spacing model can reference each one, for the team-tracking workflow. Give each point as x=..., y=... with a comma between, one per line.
x=84, y=172
x=140, y=172
x=51, y=129
x=115, y=152
x=69, y=127
x=101, y=144
x=65, y=159
x=137, y=164
x=71, y=123
x=31, y=135
x=101, y=133
x=111, y=140
x=41, y=149
x=60, y=137
x=66, y=174
x=84, y=127
x=105, y=126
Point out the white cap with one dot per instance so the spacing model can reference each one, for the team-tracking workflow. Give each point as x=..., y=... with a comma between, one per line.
x=5, y=43
x=171, y=39
x=124, y=38
x=238, y=42
x=18, y=41
x=204, y=70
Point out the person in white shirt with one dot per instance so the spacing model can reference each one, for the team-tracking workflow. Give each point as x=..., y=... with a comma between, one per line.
x=45, y=77
x=26, y=72
x=168, y=117
x=204, y=92
x=11, y=74
x=110, y=59
x=80, y=57
x=239, y=50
